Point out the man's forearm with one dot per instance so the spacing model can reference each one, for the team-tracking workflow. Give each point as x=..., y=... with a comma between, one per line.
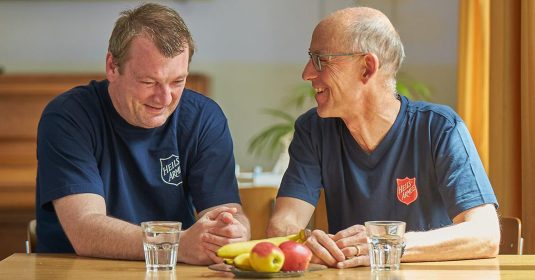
x=280, y=228
x=289, y=216
x=106, y=237
x=474, y=234
x=466, y=240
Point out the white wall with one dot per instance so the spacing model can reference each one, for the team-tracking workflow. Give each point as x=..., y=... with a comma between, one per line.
x=253, y=50
x=429, y=31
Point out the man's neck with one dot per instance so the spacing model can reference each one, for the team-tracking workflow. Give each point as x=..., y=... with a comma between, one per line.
x=373, y=119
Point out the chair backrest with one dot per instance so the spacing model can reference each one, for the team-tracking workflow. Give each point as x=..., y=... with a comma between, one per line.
x=319, y=219
x=257, y=203
x=31, y=237
x=511, y=242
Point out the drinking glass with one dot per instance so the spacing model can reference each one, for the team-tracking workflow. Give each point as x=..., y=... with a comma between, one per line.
x=160, y=242
x=385, y=243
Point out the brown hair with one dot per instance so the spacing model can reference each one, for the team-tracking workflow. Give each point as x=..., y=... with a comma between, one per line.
x=161, y=24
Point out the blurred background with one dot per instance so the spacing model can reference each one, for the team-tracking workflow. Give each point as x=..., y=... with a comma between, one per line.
x=473, y=55
x=253, y=51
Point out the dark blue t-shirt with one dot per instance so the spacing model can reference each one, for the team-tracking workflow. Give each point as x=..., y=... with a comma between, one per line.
x=164, y=173
x=425, y=171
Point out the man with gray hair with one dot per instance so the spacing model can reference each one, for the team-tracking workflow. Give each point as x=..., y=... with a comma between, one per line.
x=137, y=147
x=381, y=156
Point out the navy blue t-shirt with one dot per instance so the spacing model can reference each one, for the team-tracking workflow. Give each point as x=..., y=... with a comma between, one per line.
x=164, y=173
x=425, y=171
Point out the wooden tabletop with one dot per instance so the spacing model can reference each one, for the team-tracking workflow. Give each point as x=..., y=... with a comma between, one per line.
x=49, y=266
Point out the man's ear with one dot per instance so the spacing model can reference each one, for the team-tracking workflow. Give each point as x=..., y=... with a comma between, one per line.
x=371, y=65
x=112, y=69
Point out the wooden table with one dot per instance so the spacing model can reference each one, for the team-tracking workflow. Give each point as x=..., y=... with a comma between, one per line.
x=48, y=266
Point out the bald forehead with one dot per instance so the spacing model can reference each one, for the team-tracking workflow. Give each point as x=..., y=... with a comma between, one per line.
x=356, y=12
x=345, y=17
x=333, y=28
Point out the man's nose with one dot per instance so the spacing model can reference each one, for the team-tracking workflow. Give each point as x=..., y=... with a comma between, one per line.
x=309, y=72
x=164, y=95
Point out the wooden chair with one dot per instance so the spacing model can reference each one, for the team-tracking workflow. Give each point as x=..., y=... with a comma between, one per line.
x=512, y=241
x=257, y=203
x=31, y=237
x=319, y=218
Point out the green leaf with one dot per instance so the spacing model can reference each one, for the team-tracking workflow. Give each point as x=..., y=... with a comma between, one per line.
x=280, y=114
x=412, y=89
x=422, y=90
x=403, y=90
x=302, y=94
x=269, y=140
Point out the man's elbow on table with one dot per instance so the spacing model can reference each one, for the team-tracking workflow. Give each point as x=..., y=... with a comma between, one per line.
x=493, y=248
x=279, y=226
x=81, y=249
x=290, y=215
x=485, y=222
x=491, y=243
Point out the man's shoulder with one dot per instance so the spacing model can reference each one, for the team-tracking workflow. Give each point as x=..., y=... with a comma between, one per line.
x=307, y=117
x=197, y=110
x=433, y=111
x=79, y=97
x=194, y=101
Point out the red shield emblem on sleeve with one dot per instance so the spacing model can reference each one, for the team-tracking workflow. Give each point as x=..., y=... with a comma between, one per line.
x=407, y=191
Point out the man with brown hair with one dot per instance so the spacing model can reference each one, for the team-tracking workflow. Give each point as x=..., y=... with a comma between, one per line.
x=137, y=147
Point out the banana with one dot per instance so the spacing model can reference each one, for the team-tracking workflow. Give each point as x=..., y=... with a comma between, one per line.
x=232, y=250
x=242, y=262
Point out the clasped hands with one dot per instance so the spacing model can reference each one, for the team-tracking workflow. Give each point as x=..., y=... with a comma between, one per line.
x=217, y=227
x=346, y=248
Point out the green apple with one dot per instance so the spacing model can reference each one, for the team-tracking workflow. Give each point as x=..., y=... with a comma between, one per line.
x=266, y=257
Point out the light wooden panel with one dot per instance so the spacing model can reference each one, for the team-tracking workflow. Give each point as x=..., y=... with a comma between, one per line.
x=505, y=154
x=512, y=85
x=22, y=100
x=528, y=122
x=257, y=203
x=13, y=231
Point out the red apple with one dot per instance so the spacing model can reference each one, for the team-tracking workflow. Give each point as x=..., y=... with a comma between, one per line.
x=297, y=256
x=266, y=257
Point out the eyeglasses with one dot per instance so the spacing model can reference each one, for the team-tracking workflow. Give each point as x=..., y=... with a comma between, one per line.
x=317, y=58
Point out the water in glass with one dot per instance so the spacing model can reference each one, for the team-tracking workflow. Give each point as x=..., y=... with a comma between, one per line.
x=385, y=252
x=160, y=243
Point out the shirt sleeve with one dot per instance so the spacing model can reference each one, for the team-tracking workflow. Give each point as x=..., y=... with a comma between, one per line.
x=463, y=182
x=302, y=179
x=212, y=174
x=66, y=164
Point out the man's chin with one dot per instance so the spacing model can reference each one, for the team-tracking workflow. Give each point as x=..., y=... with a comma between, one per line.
x=154, y=122
x=322, y=113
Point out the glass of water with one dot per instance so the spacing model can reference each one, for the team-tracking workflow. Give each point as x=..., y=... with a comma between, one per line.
x=160, y=242
x=385, y=243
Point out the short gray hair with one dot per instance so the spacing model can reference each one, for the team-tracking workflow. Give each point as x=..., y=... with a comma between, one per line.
x=376, y=35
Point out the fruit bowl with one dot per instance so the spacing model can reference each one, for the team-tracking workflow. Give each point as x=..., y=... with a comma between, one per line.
x=254, y=274
x=239, y=273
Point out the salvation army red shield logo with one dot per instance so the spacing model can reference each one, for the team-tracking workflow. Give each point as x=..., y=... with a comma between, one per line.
x=407, y=191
